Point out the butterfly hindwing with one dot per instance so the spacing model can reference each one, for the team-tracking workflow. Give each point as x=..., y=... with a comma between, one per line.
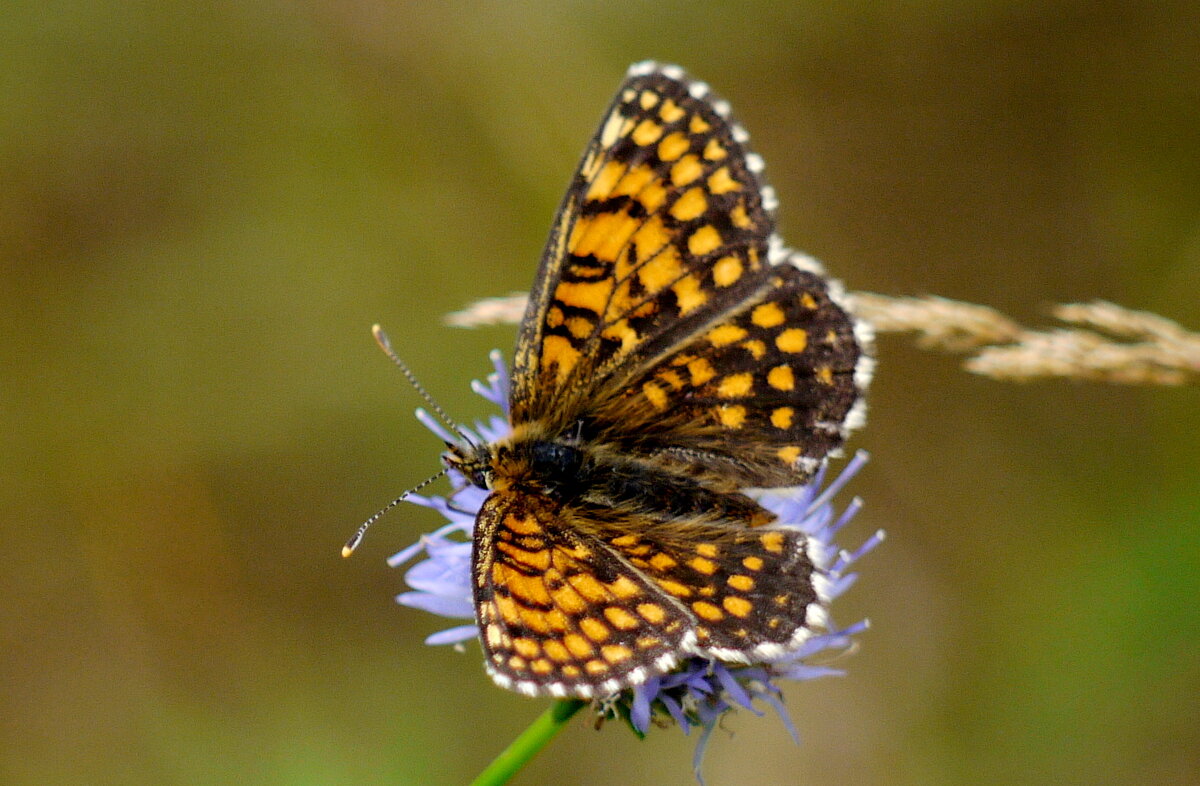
x=559, y=613
x=757, y=399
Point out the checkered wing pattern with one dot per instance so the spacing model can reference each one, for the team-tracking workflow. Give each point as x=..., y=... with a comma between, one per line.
x=673, y=353
x=569, y=604
x=664, y=227
x=666, y=317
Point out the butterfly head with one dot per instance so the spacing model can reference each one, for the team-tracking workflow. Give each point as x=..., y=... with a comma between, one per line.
x=473, y=462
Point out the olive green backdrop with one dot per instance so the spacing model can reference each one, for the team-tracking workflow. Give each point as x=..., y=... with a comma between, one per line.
x=203, y=208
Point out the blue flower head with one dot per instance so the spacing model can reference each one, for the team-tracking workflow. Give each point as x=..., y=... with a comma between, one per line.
x=699, y=691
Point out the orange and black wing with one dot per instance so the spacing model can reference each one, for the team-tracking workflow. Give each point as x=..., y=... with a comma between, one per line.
x=666, y=226
x=572, y=602
x=757, y=399
x=558, y=612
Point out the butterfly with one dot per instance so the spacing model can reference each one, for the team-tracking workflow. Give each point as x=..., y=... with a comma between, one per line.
x=673, y=354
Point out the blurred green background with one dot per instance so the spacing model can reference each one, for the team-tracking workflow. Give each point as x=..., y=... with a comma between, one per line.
x=203, y=208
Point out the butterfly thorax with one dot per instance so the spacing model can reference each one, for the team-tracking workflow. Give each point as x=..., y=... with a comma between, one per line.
x=596, y=477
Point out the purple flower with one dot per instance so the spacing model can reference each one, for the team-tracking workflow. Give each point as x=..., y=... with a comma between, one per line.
x=699, y=691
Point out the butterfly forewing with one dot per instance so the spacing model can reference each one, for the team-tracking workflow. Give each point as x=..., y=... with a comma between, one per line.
x=663, y=229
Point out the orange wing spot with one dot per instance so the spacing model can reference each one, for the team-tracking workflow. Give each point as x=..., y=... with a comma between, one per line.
x=767, y=315
x=535, y=620
x=554, y=316
x=700, y=370
x=824, y=375
x=691, y=205
x=594, y=629
x=714, y=150
x=616, y=653
x=578, y=645
x=517, y=663
x=624, y=588
x=772, y=541
x=704, y=240
x=808, y=301
x=781, y=600
x=655, y=395
x=752, y=563
x=739, y=217
x=675, y=588
x=781, y=378
x=659, y=271
x=591, y=295
x=508, y=610
x=708, y=611
x=651, y=612
x=689, y=294
x=556, y=651
x=537, y=560
x=727, y=270
x=648, y=99
x=673, y=146
x=724, y=335
x=568, y=601
x=529, y=589
x=707, y=549
x=703, y=565
x=672, y=378
x=571, y=671
x=526, y=647
x=783, y=417
x=606, y=235
x=698, y=125
x=651, y=237
x=652, y=196
x=755, y=348
x=558, y=621
x=635, y=180
x=732, y=416
x=670, y=111
x=737, y=581
x=788, y=455
x=792, y=340
x=523, y=525
x=648, y=642
x=720, y=182
x=685, y=170
x=736, y=385
x=610, y=174
x=662, y=562
x=738, y=607
x=621, y=619
x=595, y=667
x=579, y=327
x=625, y=540
x=587, y=586
x=647, y=133
x=541, y=666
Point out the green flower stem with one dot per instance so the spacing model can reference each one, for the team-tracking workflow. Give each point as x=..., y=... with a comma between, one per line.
x=526, y=746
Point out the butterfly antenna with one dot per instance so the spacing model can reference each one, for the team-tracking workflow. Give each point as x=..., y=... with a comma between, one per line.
x=382, y=340
x=357, y=537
